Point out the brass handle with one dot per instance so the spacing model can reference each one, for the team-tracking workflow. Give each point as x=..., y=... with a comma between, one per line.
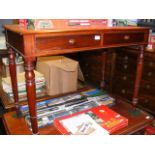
x=149, y=74
x=126, y=58
x=125, y=66
x=124, y=78
x=146, y=100
x=123, y=91
x=151, y=64
x=126, y=37
x=148, y=86
x=71, y=41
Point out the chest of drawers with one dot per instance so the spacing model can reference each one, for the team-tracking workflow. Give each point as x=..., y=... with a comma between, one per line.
x=123, y=83
x=120, y=74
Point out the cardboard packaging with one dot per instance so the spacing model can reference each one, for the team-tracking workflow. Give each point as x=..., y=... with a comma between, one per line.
x=60, y=74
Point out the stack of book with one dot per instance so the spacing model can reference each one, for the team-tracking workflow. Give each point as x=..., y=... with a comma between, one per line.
x=51, y=109
x=40, y=86
x=2, y=42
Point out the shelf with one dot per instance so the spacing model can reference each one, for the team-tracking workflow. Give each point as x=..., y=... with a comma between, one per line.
x=9, y=106
x=17, y=126
x=135, y=122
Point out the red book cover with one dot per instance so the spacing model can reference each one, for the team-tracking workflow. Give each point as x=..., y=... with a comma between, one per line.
x=92, y=120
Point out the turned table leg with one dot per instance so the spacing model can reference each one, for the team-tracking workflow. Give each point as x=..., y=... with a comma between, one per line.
x=13, y=75
x=104, y=59
x=138, y=75
x=31, y=93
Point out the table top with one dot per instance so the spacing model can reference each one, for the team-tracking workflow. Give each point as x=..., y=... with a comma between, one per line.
x=69, y=39
x=64, y=28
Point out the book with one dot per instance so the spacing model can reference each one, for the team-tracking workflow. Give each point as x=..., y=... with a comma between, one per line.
x=95, y=95
x=3, y=42
x=82, y=124
x=7, y=86
x=24, y=97
x=77, y=123
x=24, y=93
x=21, y=78
x=68, y=104
x=99, y=96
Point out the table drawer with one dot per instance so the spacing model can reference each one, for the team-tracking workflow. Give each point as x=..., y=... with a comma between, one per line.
x=120, y=38
x=68, y=42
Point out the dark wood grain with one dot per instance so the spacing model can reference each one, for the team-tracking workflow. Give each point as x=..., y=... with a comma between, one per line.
x=31, y=93
x=124, y=88
x=138, y=76
x=119, y=38
x=15, y=40
x=13, y=74
x=135, y=123
x=84, y=39
x=67, y=42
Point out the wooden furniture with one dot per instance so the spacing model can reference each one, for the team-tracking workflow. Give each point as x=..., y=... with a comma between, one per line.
x=92, y=63
x=18, y=126
x=65, y=39
x=124, y=75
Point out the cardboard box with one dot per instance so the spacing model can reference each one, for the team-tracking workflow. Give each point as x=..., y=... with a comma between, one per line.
x=60, y=74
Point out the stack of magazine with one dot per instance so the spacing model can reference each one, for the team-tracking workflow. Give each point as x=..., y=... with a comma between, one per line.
x=39, y=81
x=51, y=109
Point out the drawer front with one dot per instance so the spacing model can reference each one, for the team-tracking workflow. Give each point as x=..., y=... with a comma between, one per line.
x=125, y=69
x=148, y=102
x=147, y=88
x=124, y=81
x=124, y=57
x=123, y=92
x=149, y=76
x=68, y=42
x=122, y=38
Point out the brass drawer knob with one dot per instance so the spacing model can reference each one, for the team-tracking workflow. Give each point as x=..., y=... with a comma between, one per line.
x=124, y=78
x=149, y=74
x=148, y=86
x=71, y=41
x=151, y=64
x=126, y=57
x=146, y=100
x=125, y=66
x=123, y=91
x=126, y=37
